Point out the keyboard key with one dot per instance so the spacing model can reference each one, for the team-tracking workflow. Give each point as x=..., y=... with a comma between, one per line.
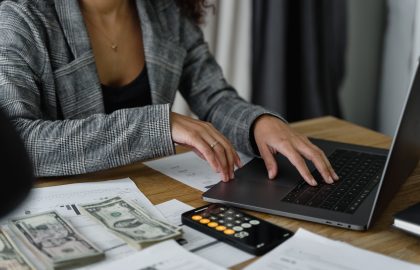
x=359, y=173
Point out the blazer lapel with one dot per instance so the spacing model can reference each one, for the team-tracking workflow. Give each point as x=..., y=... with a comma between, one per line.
x=78, y=85
x=79, y=88
x=164, y=56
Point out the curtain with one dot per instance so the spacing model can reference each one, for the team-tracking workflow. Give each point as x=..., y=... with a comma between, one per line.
x=298, y=56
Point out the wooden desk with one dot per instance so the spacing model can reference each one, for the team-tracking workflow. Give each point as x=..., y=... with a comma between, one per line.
x=380, y=238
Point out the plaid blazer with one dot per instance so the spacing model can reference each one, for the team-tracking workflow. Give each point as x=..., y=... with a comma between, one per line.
x=50, y=89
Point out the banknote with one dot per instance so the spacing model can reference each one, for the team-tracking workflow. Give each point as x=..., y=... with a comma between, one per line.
x=10, y=257
x=55, y=241
x=129, y=222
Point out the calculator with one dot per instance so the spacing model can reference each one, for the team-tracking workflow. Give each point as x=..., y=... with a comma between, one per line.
x=236, y=228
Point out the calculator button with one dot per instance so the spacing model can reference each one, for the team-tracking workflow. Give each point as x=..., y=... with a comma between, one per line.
x=212, y=224
x=229, y=218
x=221, y=221
x=230, y=212
x=254, y=222
x=238, y=228
x=241, y=235
x=246, y=218
x=239, y=215
x=213, y=218
x=221, y=228
x=222, y=209
x=229, y=224
x=196, y=217
x=229, y=231
x=238, y=221
x=246, y=225
x=204, y=221
x=221, y=215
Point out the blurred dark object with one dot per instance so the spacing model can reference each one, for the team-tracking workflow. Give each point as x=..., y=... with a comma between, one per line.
x=299, y=56
x=15, y=168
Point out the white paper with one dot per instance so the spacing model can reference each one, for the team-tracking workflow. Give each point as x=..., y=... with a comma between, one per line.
x=199, y=243
x=189, y=169
x=64, y=199
x=309, y=251
x=167, y=255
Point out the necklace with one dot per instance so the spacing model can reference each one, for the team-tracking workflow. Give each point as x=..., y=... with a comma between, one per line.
x=113, y=45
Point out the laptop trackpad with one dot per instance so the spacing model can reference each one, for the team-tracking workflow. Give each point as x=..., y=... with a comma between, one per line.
x=254, y=177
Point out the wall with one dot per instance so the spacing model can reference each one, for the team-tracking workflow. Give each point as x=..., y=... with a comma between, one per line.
x=364, y=53
x=401, y=51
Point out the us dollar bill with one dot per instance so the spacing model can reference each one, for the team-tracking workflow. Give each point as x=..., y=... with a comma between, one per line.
x=55, y=241
x=130, y=223
x=10, y=257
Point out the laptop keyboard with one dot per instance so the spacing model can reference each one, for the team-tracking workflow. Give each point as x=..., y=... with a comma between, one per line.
x=359, y=173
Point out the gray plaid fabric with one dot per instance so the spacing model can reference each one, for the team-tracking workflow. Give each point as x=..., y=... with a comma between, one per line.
x=50, y=89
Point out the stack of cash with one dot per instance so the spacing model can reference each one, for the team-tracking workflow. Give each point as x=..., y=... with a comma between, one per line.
x=11, y=257
x=55, y=243
x=130, y=223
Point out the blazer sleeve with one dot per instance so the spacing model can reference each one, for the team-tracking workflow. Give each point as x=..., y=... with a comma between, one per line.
x=69, y=147
x=210, y=96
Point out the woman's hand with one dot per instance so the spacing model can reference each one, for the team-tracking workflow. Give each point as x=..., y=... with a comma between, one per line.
x=274, y=136
x=207, y=142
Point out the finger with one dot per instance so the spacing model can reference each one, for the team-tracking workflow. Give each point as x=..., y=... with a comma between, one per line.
x=238, y=161
x=206, y=151
x=198, y=154
x=220, y=153
x=269, y=160
x=296, y=159
x=331, y=170
x=315, y=156
x=223, y=160
x=231, y=155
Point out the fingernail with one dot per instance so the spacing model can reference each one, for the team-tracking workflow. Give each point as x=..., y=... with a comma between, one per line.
x=330, y=180
x=314, y=182
x=336, y=177
x=232, y=175
x=270, y=174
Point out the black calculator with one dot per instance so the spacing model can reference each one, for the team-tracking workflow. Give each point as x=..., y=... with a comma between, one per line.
x=236, y=228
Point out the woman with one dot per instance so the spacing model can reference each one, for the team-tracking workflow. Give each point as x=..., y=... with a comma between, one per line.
x=89, y=85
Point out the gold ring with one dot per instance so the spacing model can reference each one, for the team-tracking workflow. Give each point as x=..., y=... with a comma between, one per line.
x=214, y=144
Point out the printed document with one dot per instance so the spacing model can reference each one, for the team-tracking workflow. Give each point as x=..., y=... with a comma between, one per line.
x=167, y=255
x=309, y=251
x=64, y=199
x=189, y=169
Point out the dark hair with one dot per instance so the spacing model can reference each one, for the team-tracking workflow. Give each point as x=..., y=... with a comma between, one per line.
x=194, y=9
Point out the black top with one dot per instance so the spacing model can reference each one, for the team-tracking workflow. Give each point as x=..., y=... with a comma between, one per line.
x=134, y=94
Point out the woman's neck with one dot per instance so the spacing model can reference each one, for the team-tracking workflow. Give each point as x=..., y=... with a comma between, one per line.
x=105, y=9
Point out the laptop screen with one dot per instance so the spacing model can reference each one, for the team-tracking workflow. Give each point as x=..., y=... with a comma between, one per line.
x=404, y=152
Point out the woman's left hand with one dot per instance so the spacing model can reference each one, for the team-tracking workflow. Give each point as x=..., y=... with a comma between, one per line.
x=274, y=136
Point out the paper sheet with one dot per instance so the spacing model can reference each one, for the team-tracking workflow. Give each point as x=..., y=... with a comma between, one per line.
x=309, y=251
x=167, y=255
x=189, y=169
x=199, y=243
x=65, y=198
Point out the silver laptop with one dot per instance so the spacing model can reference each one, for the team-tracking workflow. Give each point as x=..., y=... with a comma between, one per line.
x=369, y=178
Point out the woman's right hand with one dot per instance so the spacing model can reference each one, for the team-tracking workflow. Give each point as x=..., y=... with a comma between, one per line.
x=207, y=142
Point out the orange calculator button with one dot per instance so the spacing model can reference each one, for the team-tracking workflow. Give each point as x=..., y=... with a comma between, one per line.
x=196, y=217
x=212, y=224
x=204, y=221
x=229, y=231
x=220, y=228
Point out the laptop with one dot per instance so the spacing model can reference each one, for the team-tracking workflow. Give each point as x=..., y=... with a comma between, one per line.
x=369, y=178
